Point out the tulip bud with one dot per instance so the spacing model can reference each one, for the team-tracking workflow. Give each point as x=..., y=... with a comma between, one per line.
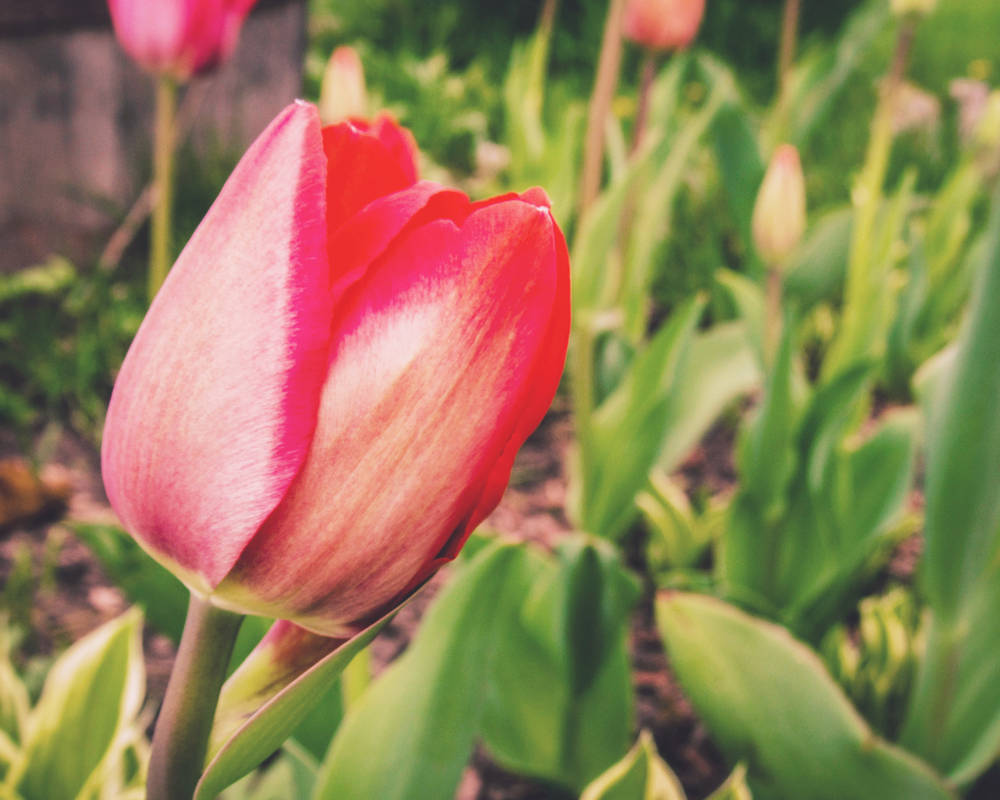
x=179, y=38
x=342, y=95
x=779, y=215
x=663, y=24
x=328, y=392
x=903, y=8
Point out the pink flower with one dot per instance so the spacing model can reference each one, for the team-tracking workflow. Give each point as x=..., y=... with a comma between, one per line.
x=180, y=38
x=328, y=392
x=663, y=24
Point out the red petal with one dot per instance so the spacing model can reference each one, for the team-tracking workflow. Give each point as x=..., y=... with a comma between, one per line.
x=215, y=405
x=360, y=168
x=435, y=355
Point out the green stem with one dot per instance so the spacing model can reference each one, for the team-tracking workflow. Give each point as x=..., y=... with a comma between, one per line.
x=163, y=181
x=646, y=77
x=608, y=64
x=185, y=722
x=789, y=38
x=772, y=315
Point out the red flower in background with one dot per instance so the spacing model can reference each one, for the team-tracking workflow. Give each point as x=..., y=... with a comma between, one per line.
x=663, y=24
x=328, y=392
x=181, y=38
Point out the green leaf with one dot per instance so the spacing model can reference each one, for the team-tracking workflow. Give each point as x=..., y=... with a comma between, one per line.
x=628, y=428
x=559, y=701
x=953, y=718
x=14, y=702
x=92, y=693
x=741, y=167
x=413, y=731
x=266, y=700
x=816, y=270
x=720, y=368
x=767, y=699
x=640, y=775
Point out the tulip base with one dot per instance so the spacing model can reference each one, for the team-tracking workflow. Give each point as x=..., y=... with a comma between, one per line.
x=180, y=740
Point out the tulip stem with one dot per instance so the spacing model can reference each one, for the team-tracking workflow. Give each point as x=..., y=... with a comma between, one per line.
x=163, y=183
x=605, y=82
x=180, y=740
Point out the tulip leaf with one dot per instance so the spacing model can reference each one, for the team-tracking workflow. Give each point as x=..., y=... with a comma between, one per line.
x=741, y=166
x=92, y=693
x=411, y=734
x=628, y=428
x=720, y=368
x=640, y=775
x=816, y=270
x=256, y=715
x=559, y=702
x=768, y=700
x=953, y=719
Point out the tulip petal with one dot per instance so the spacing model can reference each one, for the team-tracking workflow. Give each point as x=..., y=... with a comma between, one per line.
x=430, y=372
x=231, y=357
x=361, y=167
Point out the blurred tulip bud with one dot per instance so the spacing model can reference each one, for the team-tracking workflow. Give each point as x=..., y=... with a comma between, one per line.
x=779, y=215
x=328, y=392
x=904, y=8
x=180, y=38
x=663, y=24
x=342, y=95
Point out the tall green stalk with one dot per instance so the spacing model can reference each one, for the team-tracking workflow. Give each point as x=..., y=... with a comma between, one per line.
x=164, y=142
x=180, y=740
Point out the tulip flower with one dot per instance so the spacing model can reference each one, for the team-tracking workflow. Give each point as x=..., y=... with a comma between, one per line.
x=179, y=38
x=328, y=392
x=779, y=213
x=342, y=94
x=663, y=24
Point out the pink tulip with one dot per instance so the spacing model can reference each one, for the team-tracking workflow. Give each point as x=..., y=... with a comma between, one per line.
x=779, y=213
x=663, y=24
x=342, y=94
x=180, y=38
x=328, y=392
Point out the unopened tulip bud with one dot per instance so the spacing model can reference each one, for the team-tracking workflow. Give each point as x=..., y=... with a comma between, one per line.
x=663, y=24
x=327, y=394
x=779, y=215
x=179, y=38
x=342, y=95
x=903, y=8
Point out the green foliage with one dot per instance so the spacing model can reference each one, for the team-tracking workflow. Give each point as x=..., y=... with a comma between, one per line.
x=427, y=708
x=875, y=662
x=768, y=699
x=952, y=719
x=559, y=702
x=63, y=333
x=82, y=739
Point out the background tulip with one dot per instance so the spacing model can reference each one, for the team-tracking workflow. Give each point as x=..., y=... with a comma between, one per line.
x=663, y=24
x=779, y=213
x=342, y=94
x=181, y=38
x=327, y=395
